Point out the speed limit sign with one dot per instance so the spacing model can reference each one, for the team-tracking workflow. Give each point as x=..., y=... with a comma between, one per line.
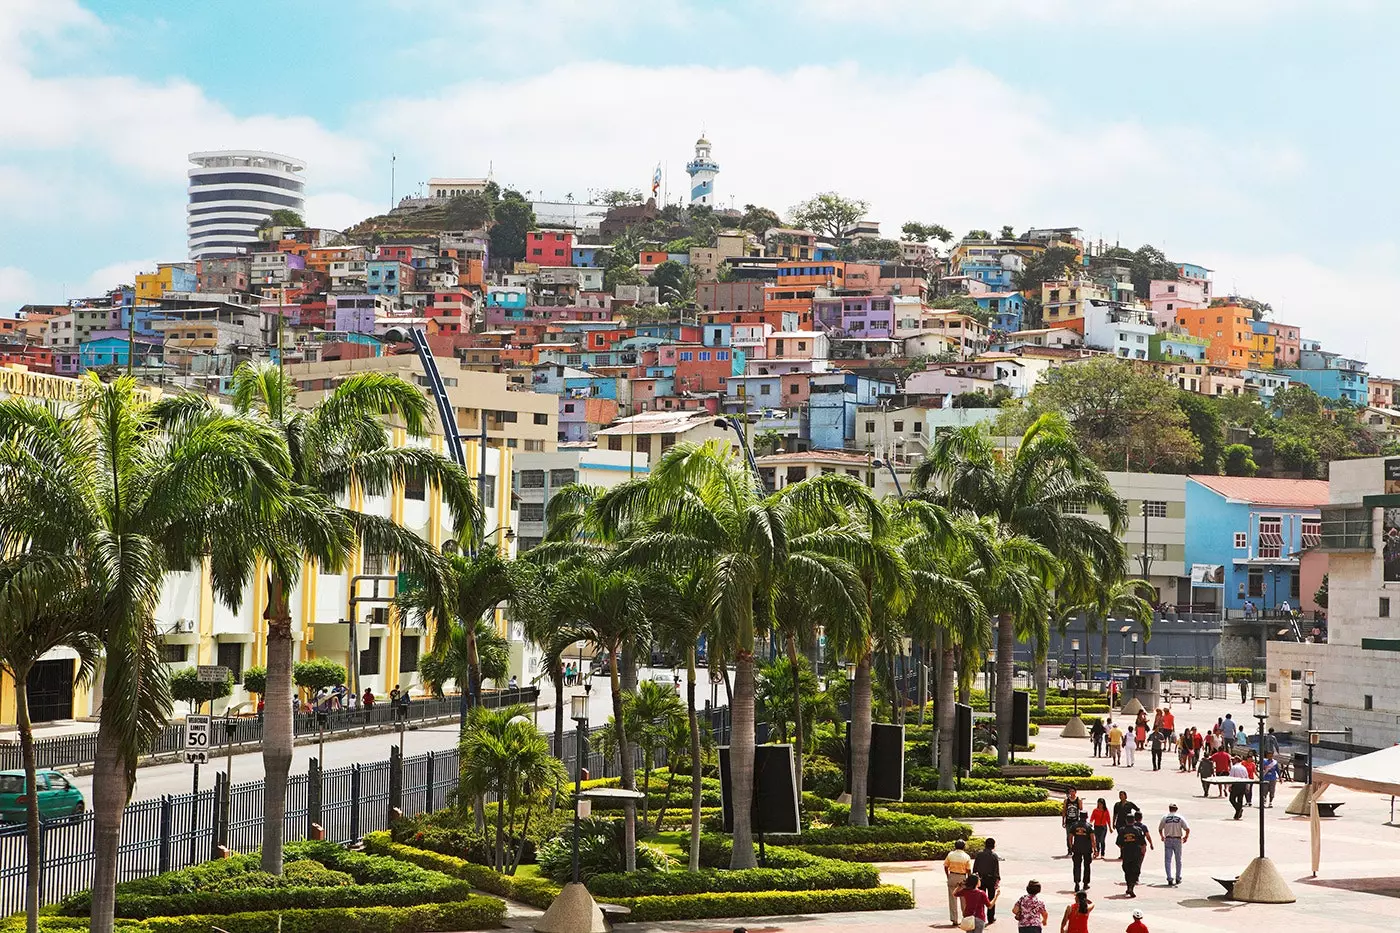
x=196, y=740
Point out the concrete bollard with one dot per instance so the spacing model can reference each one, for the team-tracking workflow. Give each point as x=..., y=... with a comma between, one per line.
x=318, y=832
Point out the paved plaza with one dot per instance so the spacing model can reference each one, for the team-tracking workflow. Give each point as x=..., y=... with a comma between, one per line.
x=1357, y=888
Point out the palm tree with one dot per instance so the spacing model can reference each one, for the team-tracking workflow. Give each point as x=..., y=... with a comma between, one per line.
x=341, y=447
x=700, y=509
x=654, y=712
x=41, y=608
x=502, y=752
x=129, y=494
x=1042, y=493
x=451, y=657
x=1122, y=598
x=607, y=608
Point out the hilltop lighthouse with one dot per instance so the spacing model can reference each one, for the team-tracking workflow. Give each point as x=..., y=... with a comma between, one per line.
x=702, y=170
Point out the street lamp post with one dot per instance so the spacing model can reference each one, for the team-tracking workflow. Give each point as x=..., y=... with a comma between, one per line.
x=1309, y=681
x=1260, y=882
x=578, y=712
x=1261, y=713
x=1074, y=689
x=877, y=463
x=1135, y=644
x=991, y=687
x=1074, y=728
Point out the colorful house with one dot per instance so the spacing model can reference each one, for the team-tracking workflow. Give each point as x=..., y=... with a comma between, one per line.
x=1228, y=328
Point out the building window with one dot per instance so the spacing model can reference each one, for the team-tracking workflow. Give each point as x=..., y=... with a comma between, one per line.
x=415, y=487
x=375, y=563
x=1385, y=607
x=869, y=427
x=541, y=418
x=643, y=444
x=369, y=658
x=1366, y=701
x=408, y=653
x=562, y=477
x=1154, y=508
x=1075, y=507
x=532, y=511
x=899, y=427
x=1256, y=582
x=614, y=442
x=1270, y=537
x=174, y=654
x=532, y=479
x=1241, y=540
x=488, y=490
x=230, y=655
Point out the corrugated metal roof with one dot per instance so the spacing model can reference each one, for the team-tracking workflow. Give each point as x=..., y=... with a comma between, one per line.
x=1266, y=491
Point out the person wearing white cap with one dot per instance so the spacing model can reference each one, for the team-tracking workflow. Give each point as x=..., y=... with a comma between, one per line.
x=1173, y=830
x=1137, y=926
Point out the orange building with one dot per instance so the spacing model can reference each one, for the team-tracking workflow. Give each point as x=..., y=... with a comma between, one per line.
x=1229, y=328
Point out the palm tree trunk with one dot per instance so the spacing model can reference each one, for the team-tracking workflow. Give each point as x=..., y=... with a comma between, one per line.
x=741, y=757
x=945, y=714
x=1103, y=647
x=31, y=806
x=1006, y=668
x=798, y=733
x=277, y=724
x=473, y=668
x=500, y=860
x=860, y=741
x=629, y=776
x=647, y=765
x=896, y=689
x=1042, y=681
x=695, y=786
x=110, y=790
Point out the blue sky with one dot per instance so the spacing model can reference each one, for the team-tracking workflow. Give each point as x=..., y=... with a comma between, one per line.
x=1254, y=136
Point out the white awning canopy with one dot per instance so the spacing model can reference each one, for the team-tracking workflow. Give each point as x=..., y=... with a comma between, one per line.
x=1376, y=773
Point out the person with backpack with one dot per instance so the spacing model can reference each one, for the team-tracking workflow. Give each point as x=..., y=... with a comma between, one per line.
x=1097, y=733
x=1081, y=850
x=987, y=866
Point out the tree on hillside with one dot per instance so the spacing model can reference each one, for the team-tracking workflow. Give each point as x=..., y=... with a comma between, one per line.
x=828, y=213
x=978, y=235
x=1008, y=232
x=1204, y=421
x=674, y=282
x=757, y=220
x=1147, y=263
x=470, y=211
x=867, y=249
x=514, y=218
x=1122, y=419
x=1239, y=460
x=617, y=197
x=921, y=233
x=282, y=217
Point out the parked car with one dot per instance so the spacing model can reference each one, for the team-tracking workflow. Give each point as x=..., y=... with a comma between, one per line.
x=58, y=796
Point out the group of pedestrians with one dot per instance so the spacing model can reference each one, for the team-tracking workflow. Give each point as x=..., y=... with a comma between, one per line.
x=1121, y=744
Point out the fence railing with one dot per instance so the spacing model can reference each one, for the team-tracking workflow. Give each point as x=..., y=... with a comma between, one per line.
x=68, y=750
x=174, y=831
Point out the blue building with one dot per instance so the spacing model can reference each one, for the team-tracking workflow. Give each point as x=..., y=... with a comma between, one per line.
x=1005, y=309
x=1332, y=376
x=1244, y=536
x=383, y=278
x=988, y=270
x=833, y=403
x=113, y=351
x=586, y=257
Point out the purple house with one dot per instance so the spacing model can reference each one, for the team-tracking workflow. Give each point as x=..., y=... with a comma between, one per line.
x=354, y=314
x=855, y=316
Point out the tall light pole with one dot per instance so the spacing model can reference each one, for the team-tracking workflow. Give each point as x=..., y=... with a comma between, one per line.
x=1135, y=644
x=1309, y=681
x=578, y=712
x=1145, y=559
x=1261, y=713
x=1260, y=882
x=732, y=423
x=1074, y=646
x=889, y=464
x=1074, y=728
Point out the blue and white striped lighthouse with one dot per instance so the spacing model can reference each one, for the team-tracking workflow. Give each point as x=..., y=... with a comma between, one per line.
x=702, y=170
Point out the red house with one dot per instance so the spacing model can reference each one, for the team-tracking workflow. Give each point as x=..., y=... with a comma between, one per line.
x=549, y=247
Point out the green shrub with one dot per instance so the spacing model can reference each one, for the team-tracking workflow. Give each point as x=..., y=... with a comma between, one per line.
x=678, y=818
x=974, y=811
x=985, y=766
x=890, y=826
x=998, y=793
x=452, y=831
x=1091, y=782
x=473, y=912
x=888, y=851
x=537, y=892
x=600, y=851
x=765, y=903
x=1059, y=719
x=829, y=875
x=823, y=777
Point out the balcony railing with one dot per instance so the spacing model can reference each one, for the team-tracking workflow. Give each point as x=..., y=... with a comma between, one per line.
x=1346, y=535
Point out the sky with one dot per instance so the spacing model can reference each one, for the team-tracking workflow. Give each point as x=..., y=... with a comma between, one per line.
x=1255, y=137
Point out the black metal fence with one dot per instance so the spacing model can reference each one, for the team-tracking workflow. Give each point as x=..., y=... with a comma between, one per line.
x=174, y=831
x=68, y=750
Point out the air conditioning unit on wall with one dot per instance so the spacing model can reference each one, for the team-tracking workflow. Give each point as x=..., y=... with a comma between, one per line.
x=183, y=627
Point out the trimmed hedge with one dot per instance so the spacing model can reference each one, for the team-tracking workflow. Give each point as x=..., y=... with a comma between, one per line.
x=535, y=891
x=764, y=903
x=473, y=912
x=380, y=882
x=889, y=851
x=999, y=793
x=1091, y=782
x=985, y=766
x=828, y=875
x=890, y=826
x=1059, y=719
x=974, y=811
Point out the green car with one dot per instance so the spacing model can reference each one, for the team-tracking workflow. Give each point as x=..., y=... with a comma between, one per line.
x=58, y=796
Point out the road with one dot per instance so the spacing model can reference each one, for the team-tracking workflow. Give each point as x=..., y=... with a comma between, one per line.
x=176, y=778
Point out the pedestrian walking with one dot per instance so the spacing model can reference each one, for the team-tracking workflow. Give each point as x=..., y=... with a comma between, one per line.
x=956, y=867
x=1183, y=751
x=1229, y=730
x=1129, y=751
x=1097, y=734
x=1221, y=761
x=1268, y=774
x=1197, y=743
x=1029, y=910
x=1158, y=744
x=1251, y=770
x=1070, y=811
x=1076, y=918
x=1081, y=850
x=1125, y=811
x=1133, y=842
x=987, y=867
x=1268, y=745
x=1205, y=771
x=1173, y=830
x=1137, y=926
x=1237, y=789
x=974, y=904
x=1115, y=743
x=1100, y=819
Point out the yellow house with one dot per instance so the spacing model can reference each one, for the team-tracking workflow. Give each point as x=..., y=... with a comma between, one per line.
x=168, y=277
x=1261, y=351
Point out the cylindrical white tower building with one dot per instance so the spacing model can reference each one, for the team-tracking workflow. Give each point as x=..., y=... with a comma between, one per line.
x=702, y=170
x=232, y=192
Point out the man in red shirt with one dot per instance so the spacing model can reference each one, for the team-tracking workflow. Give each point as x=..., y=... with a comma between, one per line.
x=1252, y=769
x=1221, y=761
x=1137, y=926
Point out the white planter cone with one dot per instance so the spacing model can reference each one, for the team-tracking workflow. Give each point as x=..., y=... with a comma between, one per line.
x=1074, y=729
x=573, y=911
x=1298, y=806
x=1260, y=883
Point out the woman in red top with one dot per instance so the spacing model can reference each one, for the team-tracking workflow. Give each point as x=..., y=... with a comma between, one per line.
x=974, y=902
x=1076, y=919
x=1100, y=819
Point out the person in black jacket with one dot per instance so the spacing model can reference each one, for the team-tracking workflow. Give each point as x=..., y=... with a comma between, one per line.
x=1081, y=850
x=987, y=867
x=1133, y=840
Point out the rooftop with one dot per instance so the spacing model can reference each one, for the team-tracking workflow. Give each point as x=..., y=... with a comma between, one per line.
x=1307, y=493
x=660, y=422
x=807, y=456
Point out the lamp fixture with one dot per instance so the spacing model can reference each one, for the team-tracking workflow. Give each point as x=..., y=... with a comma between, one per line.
x=578, y=707
x=1310, y=678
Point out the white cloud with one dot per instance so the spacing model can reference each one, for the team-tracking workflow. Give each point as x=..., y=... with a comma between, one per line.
x=1005, y=15
x=114, y=274
x=338, y=211
x=27, y=26
x=16, y=286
